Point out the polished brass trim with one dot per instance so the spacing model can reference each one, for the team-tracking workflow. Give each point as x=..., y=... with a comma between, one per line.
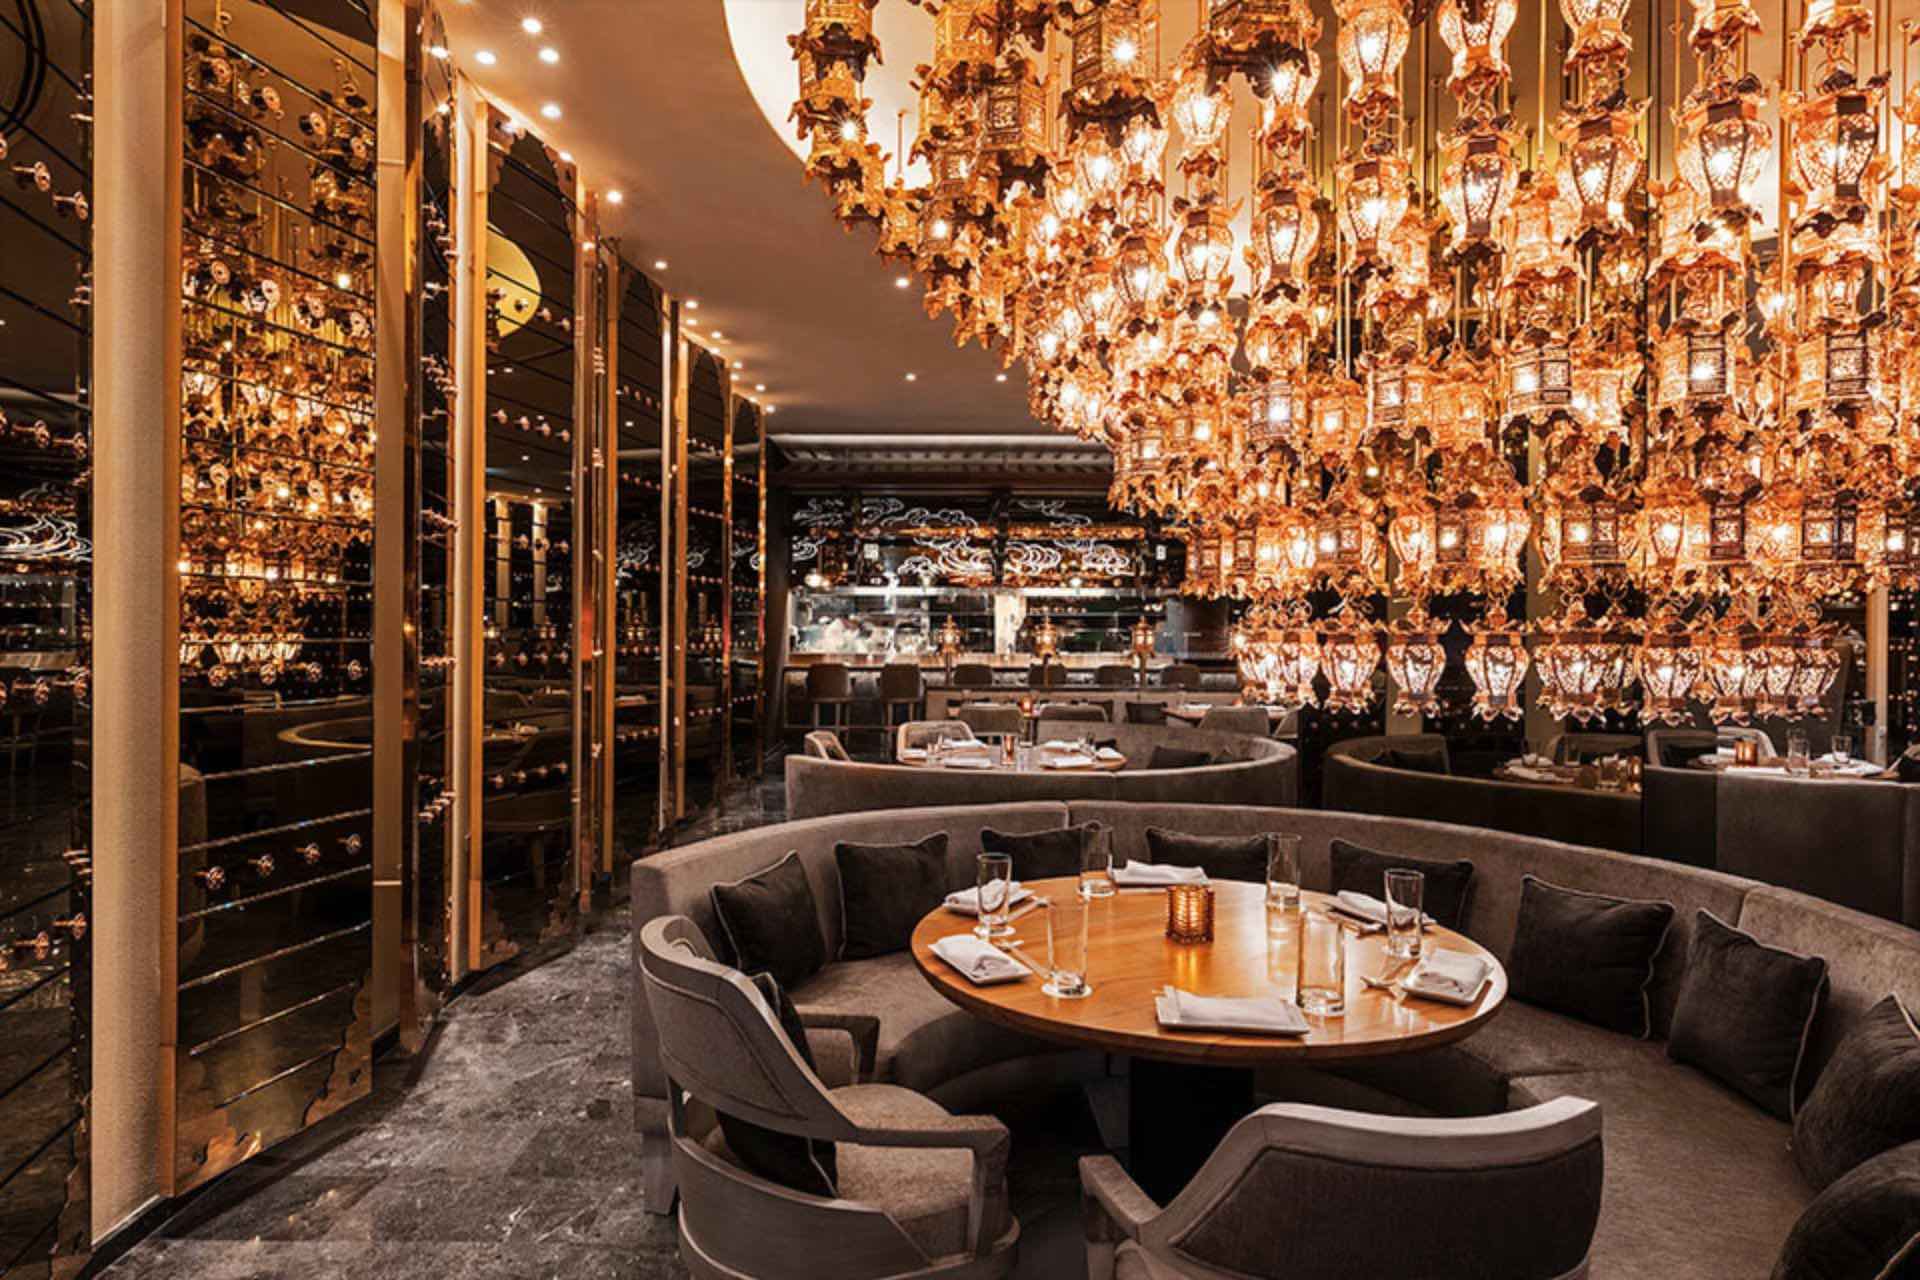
x=673, y=540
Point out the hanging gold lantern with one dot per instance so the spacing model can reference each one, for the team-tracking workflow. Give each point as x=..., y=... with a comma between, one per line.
x=1497, y=662
x=1416, y=659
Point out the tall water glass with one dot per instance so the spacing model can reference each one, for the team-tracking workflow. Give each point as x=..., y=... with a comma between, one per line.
x=1096, y=864
x=1283, y=871
x=994, y=884
x=1842, y=747
x=1406, y=898
x=1323, y=965
x=1067, y=923
x=1797, y=751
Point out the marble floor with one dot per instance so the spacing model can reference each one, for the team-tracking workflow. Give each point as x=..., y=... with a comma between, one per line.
x=506, y=1149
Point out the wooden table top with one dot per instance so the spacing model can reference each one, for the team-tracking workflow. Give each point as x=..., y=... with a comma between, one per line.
x=1130, y=960
x=1033, y=764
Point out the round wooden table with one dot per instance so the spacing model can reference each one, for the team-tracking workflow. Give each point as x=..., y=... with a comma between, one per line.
x=1182, y=1102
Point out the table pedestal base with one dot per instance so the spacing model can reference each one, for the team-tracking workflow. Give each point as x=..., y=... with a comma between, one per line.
x=1177, y=1115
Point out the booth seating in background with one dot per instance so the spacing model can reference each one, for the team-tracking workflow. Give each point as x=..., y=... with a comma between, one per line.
x=1251, y=720
x=1582, y=748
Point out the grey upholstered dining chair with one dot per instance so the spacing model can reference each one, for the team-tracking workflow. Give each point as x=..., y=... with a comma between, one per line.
x=1312, y=1193
x=972, y=675
x=824, y=744
x=919, y=734
x=1146, y=712
x=1113, y=676
x=1578, y=748
x=1046, y=675
x=990, y=717
x=1078, y=712
x=1248, y=720
x=921, y=1192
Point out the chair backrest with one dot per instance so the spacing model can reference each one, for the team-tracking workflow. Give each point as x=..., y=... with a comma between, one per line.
x=1303, y=1193
x=824, y=744
x=1046, y=675
x=990, y=717
x=1578, y=748
x=972, y=675
x=829, y=680
x=924, y=733
x=1674, y=747
x=1112, y=676
x=1181, y=675
x=1082, y=712
x=1146, y=712
x=1251, y=720
x=721, y=1043
x=902, y=682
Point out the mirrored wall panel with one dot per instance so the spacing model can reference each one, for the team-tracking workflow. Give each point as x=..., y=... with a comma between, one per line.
x=276, y=531
x=639, y=567
x=45, y=581
x=431, y=855
x=708, y=432
x=746, y=591
x=528, y=877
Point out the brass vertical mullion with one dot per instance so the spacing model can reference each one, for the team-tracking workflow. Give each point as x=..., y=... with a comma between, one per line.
x=763, y=701
x=674, y=591
x=584, y=625
x=727, y=409
x=606, y=544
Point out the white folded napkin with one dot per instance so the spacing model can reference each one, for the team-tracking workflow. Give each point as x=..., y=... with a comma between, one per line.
x=1073, y=760
x=967, y=901
x=978, y=961
x=1765, y=770
x=1109, y=753
x=1155, y=875
x=1536, y=761
x=968, y=762
x=1364, y=906
x=1532, y=773
x=1056, y=744
x=1449, y=975
x=1258, y=1015
x=913, y=753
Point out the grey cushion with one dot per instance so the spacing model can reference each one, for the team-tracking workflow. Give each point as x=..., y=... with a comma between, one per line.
x=1867, y=1100
x=771, y=923
x=926, y=1040
x=1221, y=857
x=925, y=1190
x=1699, y=1182
x=887, y=889
x=1589, y=955
x=1866, y=1226
x=785, y=1159
x=1449, y=888
x=1040, y=855
x=1746, y=1013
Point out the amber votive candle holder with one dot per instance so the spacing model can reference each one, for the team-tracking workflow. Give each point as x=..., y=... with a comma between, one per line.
x=1190, y=912
x=1746, y=751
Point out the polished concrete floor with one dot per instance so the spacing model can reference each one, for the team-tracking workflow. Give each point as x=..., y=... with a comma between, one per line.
x=506, y=1149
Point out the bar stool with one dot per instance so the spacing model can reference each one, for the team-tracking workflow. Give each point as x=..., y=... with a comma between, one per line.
x=1046, y=675
x=1181, y=675
x=1112, y=676
x=1146, y=712
x=902, y=687
x=972, y=675
x=829, y=684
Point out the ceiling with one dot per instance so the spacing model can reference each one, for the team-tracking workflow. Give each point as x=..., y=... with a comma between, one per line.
x=654, y=104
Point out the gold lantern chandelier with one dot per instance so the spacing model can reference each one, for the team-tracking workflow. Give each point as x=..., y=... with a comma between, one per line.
x=1406, y=362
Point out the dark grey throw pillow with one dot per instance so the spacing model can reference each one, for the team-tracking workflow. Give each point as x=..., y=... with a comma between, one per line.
x=1867, y=1099
x=1866, y=1226
x=1745, y=1013
x=771, y=922
x=1041, y=855
x=788, y=1160
x=886, y=890
x=1587, y=955
x=1418, y=759
x=1177, y=758
x=1449, y=888
x=1221, y=857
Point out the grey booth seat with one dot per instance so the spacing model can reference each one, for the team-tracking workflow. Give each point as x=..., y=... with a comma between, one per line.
x=1726, y=1217
x=1356, y=778
x=1256, y=771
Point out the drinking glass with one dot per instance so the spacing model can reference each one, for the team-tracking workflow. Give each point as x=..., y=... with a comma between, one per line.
x=1406, y=894
x=1067, y=949
x=1096, y=864
x=1322, y=982
x=994, y=884
x=1797, y=752
x=1283, y=871
x=1842, y=747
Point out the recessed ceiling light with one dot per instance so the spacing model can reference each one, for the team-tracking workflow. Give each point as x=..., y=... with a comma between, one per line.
x=759, y=386
x=549, y=55
x=438, y=51
x=999, y=377
x=901, y=282
x=659, y=264
x=913, y=377
x=566, y=157
x=343, y=281
x=693, y=304
x=719, y=336
x=551, y=111
x=485, y=58
x=532, y=26
x=615, y=197
x=738, y=364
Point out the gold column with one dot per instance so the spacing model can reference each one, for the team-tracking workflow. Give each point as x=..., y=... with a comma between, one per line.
x=604, y=559
x=583, y=580
x=673, y=540
x=727, y=409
